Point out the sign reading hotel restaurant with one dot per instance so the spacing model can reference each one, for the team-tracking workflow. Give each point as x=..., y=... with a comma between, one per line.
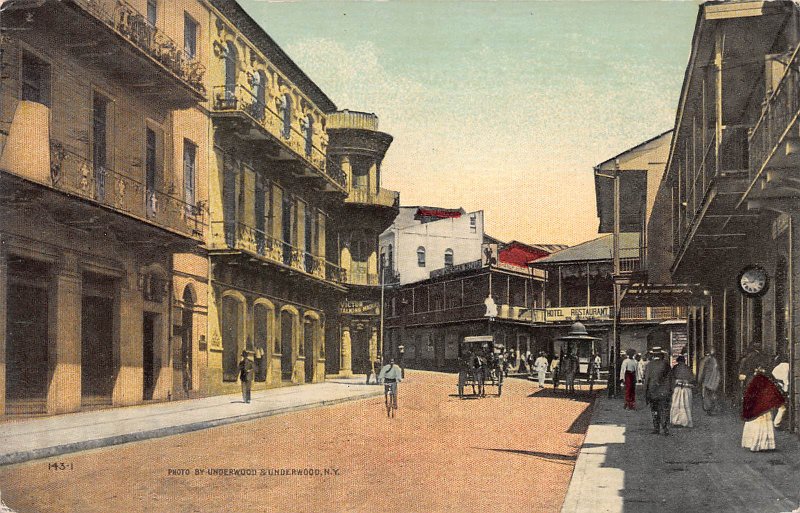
x=360, y=307
x=578, y=313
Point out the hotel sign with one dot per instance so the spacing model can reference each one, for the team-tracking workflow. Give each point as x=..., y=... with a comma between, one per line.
x=578, y=313
x=467, y=266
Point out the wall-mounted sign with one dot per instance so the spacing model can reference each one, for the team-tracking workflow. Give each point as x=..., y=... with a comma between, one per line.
x=489, y=254
x=360, y=308
x=578, y=313
x=467, y=266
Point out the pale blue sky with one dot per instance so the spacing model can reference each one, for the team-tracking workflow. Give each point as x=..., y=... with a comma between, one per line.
x=497, y=106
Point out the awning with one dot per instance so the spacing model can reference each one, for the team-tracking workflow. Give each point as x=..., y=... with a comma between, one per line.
x=665, y=294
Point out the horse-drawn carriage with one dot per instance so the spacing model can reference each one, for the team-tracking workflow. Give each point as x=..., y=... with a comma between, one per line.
x=481, y=365
x=576, y=351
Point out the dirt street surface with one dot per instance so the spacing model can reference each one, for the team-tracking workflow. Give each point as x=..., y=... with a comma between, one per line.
x=440, y=454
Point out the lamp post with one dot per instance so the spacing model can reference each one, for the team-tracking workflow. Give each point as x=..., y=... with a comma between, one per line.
x=382, y=279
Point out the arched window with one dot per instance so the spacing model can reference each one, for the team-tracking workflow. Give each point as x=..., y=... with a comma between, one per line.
x=448, y=257
x=390, y=258
x=286, y=115
x=421, y=256
x=308, y=133
x=259, y=94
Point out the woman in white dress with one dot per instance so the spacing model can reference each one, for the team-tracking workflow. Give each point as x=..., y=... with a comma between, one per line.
x=760, y=397
x=680, y=413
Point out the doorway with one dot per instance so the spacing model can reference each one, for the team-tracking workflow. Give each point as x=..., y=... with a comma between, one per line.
x=149, y=324
x=26, y=336
x=309, y=342
x=287, y=353
x=187, y=321
x=97, y=340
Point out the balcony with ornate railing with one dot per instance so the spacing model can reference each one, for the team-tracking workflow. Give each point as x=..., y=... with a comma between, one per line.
x=778, y=116
x=381, y=197
x=255, y=242
x=72, y=173
x=265, y=123
x=116, y=39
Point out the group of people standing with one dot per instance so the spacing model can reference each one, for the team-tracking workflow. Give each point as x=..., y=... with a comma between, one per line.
x=668, y=391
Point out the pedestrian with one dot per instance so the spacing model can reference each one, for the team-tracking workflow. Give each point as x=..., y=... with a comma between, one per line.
x=627, y=375
x=529, y=359
x=541, y=368
x=680, y=413
x=596, y=363
x=781, y=375
x=657, y=390
x=709, y=379
x=760, y=397
x=246, y=370
x=554, y=370
x=639, y=368
x=642, y=367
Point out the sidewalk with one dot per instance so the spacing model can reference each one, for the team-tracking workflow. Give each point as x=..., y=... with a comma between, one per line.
x=51, y=436
x=622, y=467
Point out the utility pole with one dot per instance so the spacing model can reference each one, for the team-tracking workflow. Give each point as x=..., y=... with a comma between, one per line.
x=616, y=271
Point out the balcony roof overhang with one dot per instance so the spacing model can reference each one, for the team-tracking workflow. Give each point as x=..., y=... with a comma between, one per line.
x=100, y=48
x=359, y=141
x=85, y=215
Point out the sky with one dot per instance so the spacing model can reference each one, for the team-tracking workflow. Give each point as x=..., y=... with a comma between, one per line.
x=500, y=106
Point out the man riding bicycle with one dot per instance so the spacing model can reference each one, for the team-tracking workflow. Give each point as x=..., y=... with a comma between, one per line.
x=390, y=376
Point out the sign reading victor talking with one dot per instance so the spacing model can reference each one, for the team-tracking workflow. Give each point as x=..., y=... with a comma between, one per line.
x=578, y=313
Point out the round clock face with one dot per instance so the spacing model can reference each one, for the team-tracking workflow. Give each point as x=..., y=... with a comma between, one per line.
x=753, y=280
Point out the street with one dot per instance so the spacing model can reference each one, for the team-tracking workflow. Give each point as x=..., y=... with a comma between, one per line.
x=513, y=453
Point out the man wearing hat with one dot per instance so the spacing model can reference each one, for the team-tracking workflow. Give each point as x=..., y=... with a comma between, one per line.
x=246, y=370
x=540, y=365
x=658, y=390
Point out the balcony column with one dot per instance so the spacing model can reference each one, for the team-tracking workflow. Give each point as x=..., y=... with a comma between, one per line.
x=128, y=339
x=64, y=353
x=348, y=171
x=346, y=259
x=373, y=177
x=346, y=364
x=372, y=265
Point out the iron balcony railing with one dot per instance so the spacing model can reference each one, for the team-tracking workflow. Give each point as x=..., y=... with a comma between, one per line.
x=242, y=237
x=75, y=174
x=241, y=99
x=382, y=197
x=134, y=27
x=362, y=277
x=779, y=113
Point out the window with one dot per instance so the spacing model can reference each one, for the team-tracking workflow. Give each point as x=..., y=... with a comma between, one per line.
x=99, y=143
x=308, y=134
x=150, y=160
x=286, y=114
x=390, y=257
x=189, y=36
x=189, y=171
x=152, y=12
x=421, y=256
x=448, y=257
x=35, y=79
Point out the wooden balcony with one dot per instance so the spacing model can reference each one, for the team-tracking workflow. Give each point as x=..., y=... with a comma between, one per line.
x=114, y=39
x=241, y=238
x=368, y=197
x=774, y=142
x=238, y=111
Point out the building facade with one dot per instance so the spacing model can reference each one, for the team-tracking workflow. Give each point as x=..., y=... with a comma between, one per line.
x=727, y=199
x=101, y=122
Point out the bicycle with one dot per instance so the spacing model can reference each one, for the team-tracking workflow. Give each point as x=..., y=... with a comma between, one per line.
x=390, y=398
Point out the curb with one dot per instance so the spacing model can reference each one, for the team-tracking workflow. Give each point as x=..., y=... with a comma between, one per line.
x=57, y=450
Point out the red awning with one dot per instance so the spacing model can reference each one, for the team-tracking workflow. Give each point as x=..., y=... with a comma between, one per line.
x=444, y=214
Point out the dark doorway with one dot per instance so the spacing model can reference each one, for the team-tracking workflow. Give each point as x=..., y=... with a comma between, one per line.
x=148, y=355
x=97, y=340
x=187, y=320
x=287, y=335
x=231, y=316
x=261, y=334
x=26, y=337
x=309, y=337
x=360, y=350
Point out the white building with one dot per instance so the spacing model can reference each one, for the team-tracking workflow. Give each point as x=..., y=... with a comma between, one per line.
x=423, y=239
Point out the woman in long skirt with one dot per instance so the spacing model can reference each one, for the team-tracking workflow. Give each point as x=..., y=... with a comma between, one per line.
x=760, y=397
x=680, y=413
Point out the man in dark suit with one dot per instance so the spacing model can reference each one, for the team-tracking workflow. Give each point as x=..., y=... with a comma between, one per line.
x=658, y=390
x=246, y=371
